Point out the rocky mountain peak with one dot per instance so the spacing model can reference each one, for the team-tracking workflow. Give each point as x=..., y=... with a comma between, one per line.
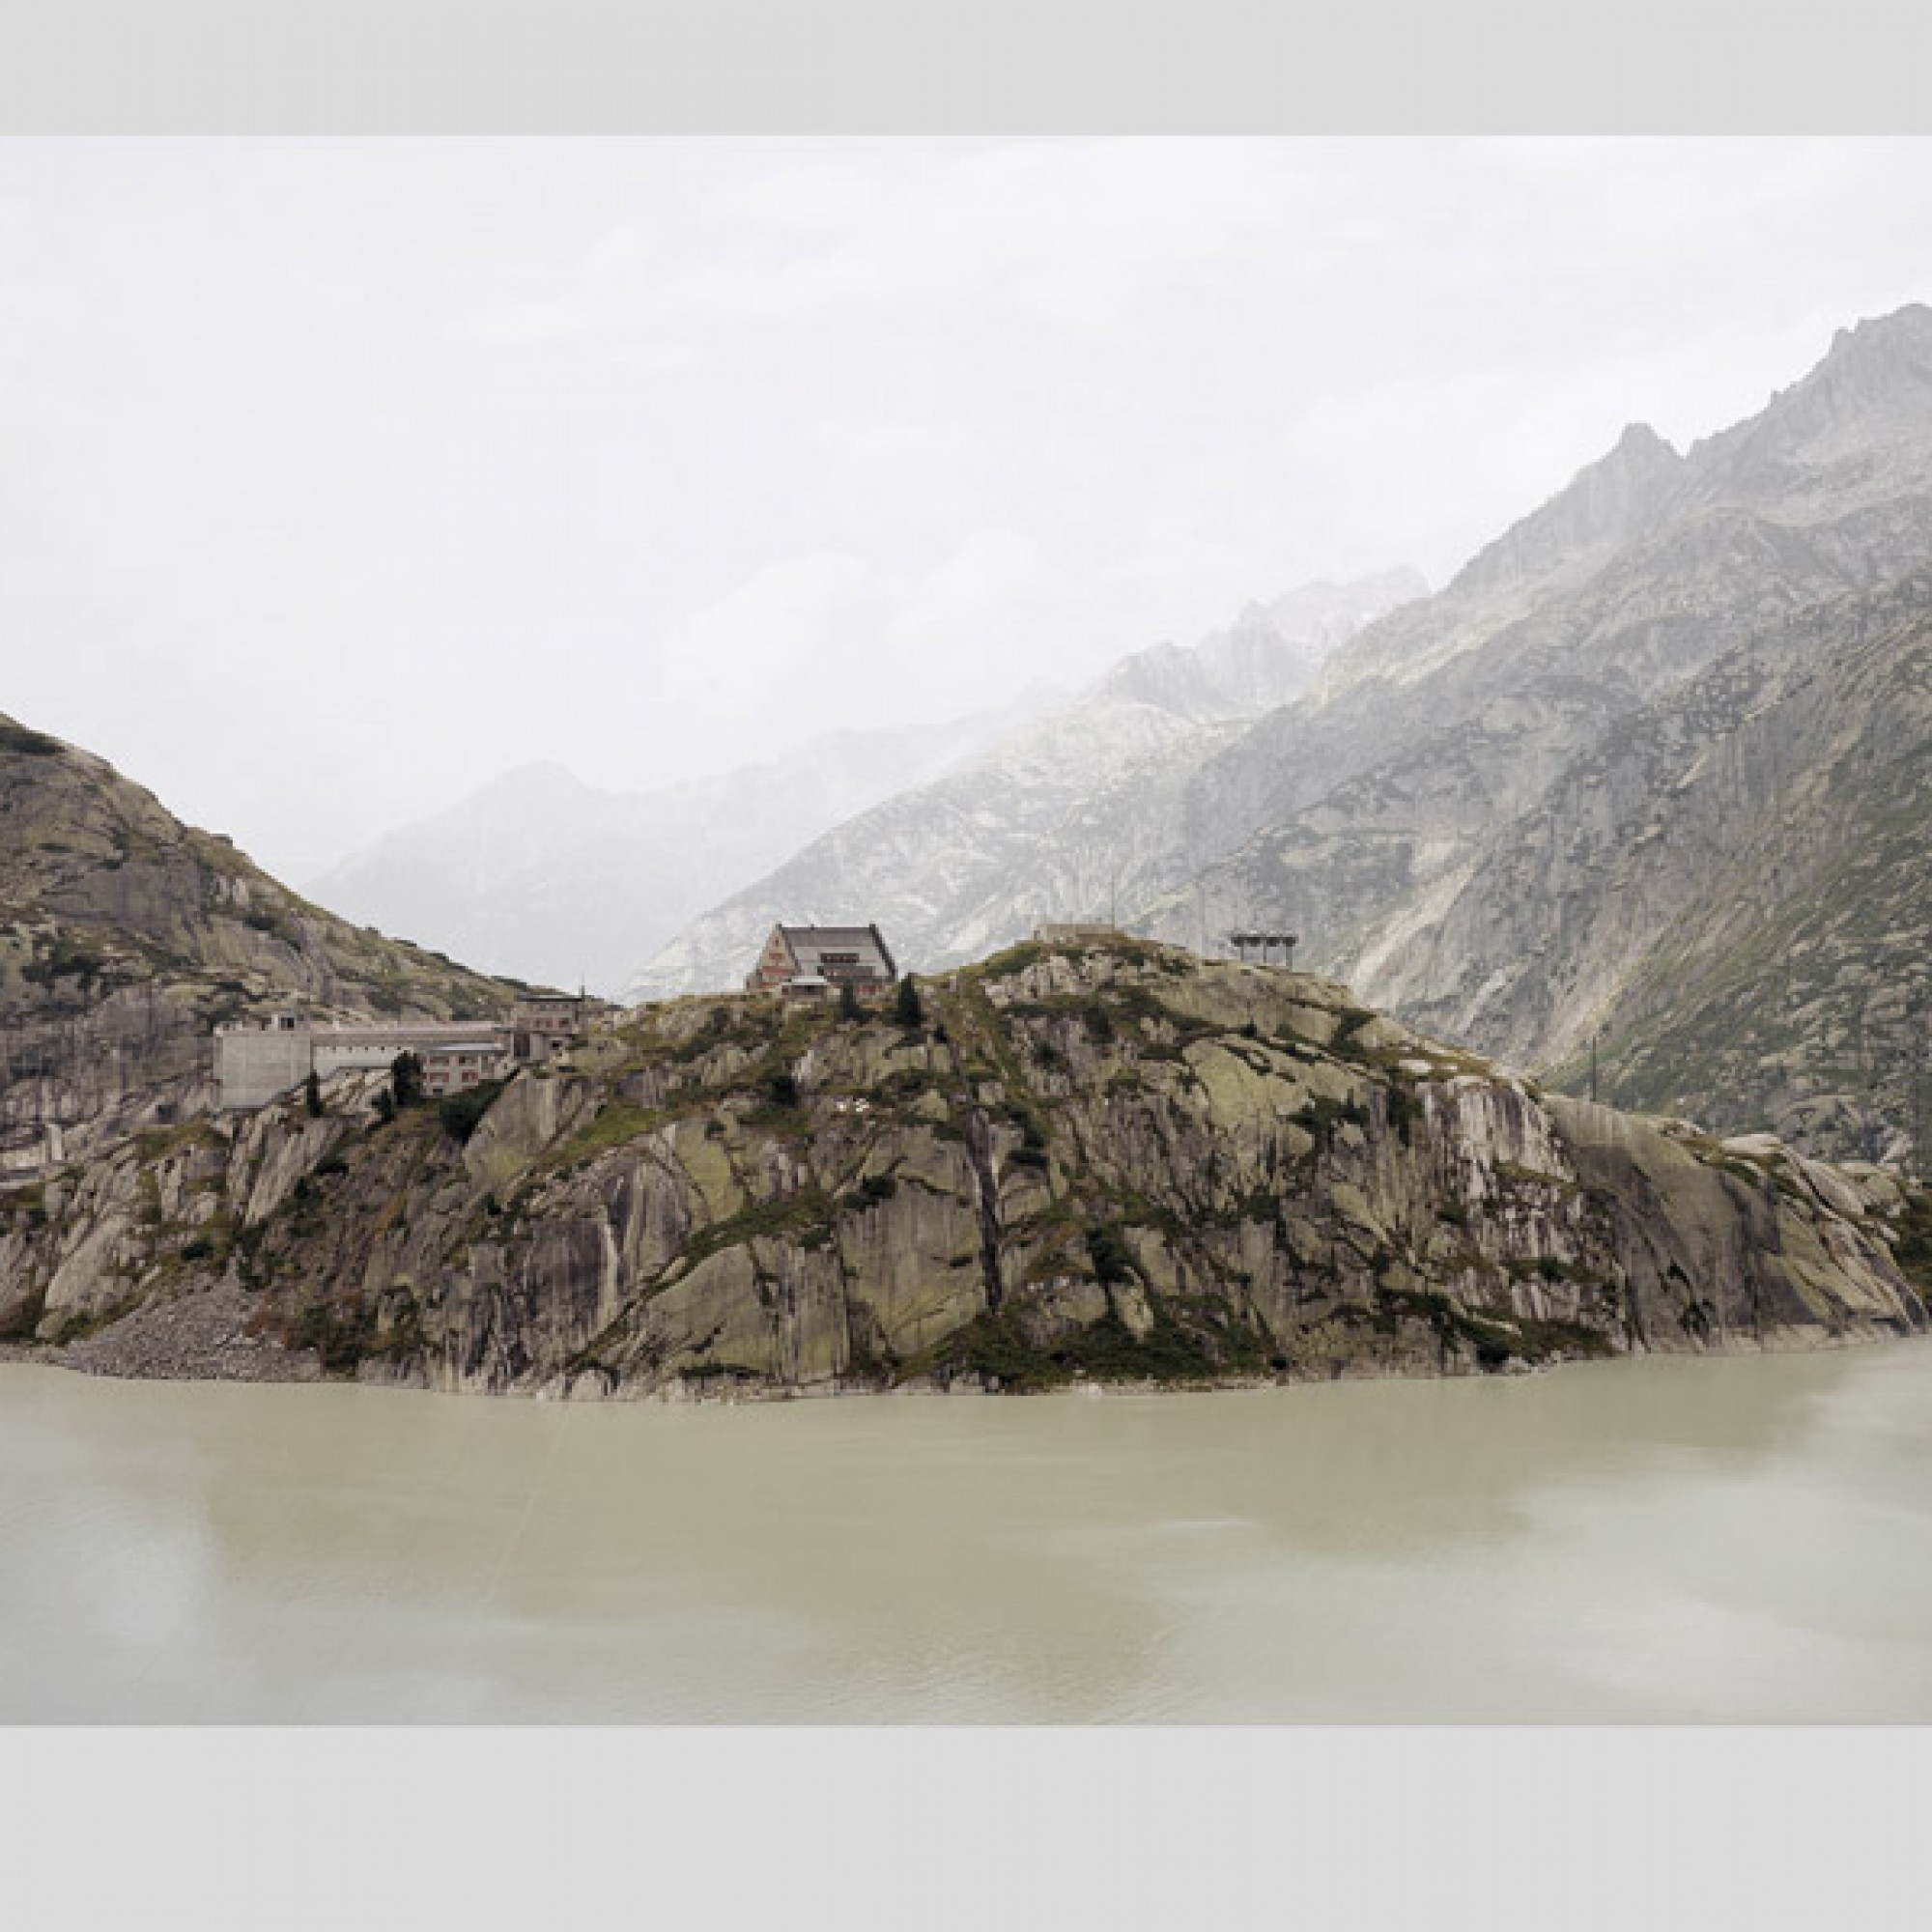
x=1268, y=655
x=1878, y=372
x=1602, y=505
x=1903, y=336
x=1872, y=392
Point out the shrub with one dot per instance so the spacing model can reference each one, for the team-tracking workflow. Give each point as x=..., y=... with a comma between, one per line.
x=461, y=1114
x=1107, y=1248
x=782, y=1087
x=20, y=1323
x=67, y=959
x=339, y=1332
x=312, y=1094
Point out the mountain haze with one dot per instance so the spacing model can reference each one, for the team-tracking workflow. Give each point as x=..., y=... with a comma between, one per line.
x=1666, y=727
x=1621, y=626
x=545, y=876
x=1064, y=819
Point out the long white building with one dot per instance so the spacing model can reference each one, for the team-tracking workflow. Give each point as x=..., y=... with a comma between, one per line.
x=256, y=1064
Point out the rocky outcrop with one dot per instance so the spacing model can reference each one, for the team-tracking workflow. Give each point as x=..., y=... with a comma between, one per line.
x=126, y=936
x=1112, y=1161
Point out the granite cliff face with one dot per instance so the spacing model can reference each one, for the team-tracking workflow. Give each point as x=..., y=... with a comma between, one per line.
x=1108, y=1163
x=126, y=935
x=1670, y=802
x=1733, y=889
x=1361, y=814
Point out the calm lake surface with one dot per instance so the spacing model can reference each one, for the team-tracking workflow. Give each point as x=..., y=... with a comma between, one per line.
x=1738, y=1539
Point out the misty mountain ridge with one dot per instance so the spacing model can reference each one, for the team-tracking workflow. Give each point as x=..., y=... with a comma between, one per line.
x=1383, y=822
x=544, y=875
x=1270, y=655
x=1375, y=809
x=1049, y=823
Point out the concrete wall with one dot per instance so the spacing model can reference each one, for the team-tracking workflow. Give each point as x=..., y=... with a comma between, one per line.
x=333, y=1056
x=254, y=1066
x=251, y=1069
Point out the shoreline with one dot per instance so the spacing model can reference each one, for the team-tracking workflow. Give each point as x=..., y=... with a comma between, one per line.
x=189, y=1353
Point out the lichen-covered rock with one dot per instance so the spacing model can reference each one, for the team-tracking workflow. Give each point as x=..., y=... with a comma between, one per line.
x=1114, y=1161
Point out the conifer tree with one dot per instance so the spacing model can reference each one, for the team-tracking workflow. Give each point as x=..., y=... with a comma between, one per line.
x=406, y=1076
x=908, y=1007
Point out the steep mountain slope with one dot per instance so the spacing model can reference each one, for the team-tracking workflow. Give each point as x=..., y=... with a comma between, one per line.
x=1382, y=818
x=126, y=935
x=1735, y=889
x=1114, y=1161
x=542, y=875
x=1078, y=812
x=1407, y=815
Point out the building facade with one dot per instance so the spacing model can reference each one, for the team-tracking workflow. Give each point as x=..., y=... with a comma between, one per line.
x=813, y=962
x=457, y=1066
x=257, y=1064
x=545, y=1024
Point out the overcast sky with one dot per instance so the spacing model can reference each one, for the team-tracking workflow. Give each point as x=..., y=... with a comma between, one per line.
x=337, y=478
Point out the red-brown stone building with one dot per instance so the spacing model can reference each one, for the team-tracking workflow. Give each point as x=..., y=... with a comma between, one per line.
x=814, y=960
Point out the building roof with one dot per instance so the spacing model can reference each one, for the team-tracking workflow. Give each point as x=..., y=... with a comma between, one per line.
x=839, y=953
x=433, y=1031
x=809, y=943
x=835, y=938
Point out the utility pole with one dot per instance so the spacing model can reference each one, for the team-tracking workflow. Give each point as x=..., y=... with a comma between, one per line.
x=1596, y=1033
